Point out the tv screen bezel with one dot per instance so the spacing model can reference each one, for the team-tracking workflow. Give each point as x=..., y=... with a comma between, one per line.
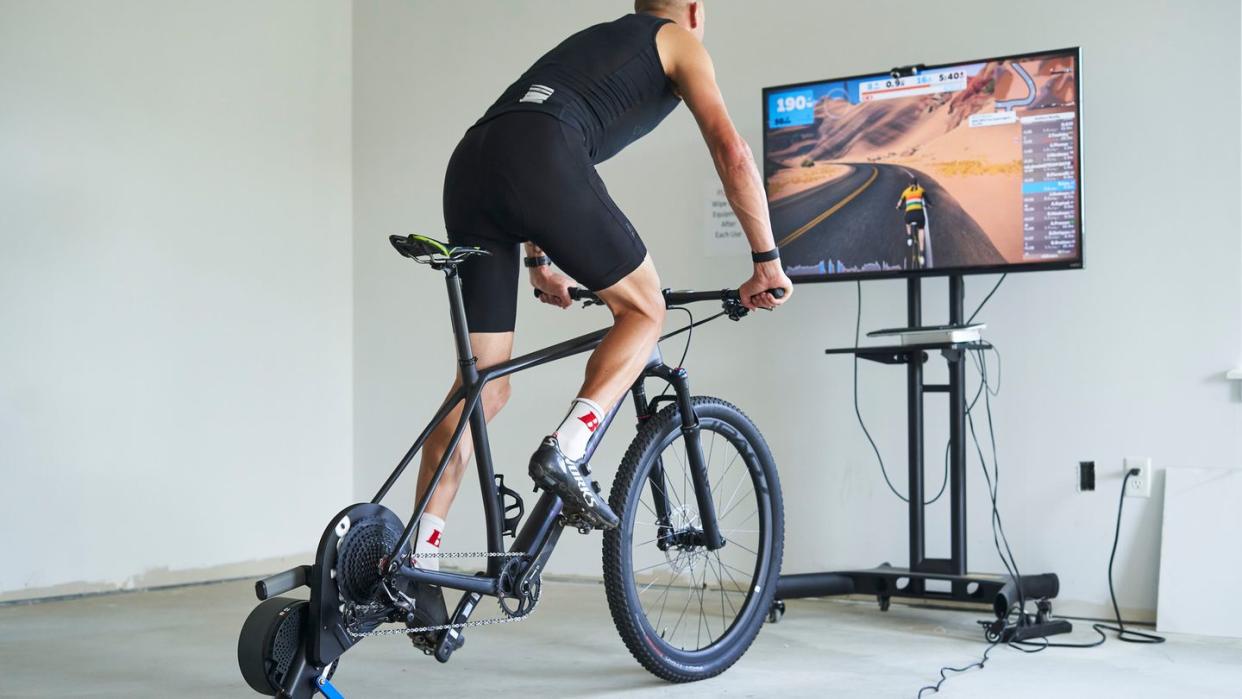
x=1054, y=265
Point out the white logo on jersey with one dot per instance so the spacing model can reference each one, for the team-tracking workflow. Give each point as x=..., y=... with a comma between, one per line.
x=537, y=94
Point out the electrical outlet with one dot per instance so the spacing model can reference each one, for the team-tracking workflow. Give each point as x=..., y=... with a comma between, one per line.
x=1086, y=476
x=1139, y=485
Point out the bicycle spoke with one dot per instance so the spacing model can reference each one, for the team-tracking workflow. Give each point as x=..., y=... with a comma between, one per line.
x=726, y=572
x=745, y=548
x=689, y=597
x=664, y=596
x=719, y=579
x=644, y=504
x=710, y=450
x=733, y=495
x=739, y=502
x=662, y=488
x=728, y=468
x=658, y=572
x=739, y=570
x=648, y=586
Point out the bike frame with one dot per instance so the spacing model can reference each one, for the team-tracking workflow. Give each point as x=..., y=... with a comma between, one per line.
x=539, y=534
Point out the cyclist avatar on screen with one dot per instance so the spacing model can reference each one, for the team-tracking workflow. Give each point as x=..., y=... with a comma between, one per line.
x=914, y=200
x=524, y=174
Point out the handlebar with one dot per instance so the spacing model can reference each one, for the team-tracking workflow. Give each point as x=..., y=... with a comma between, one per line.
x=671, y=298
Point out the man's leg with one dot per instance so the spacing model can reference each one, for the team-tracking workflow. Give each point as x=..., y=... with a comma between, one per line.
x=637, y=307
x=638, y=315
x=490, y=349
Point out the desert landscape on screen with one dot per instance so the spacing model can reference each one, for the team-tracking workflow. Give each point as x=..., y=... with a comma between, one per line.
x=980, y=166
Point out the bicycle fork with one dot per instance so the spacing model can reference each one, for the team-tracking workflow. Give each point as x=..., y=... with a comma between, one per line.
x=709, y=537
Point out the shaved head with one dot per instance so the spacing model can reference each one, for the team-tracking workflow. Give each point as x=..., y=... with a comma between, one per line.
x=687, y=13
x=662, y=5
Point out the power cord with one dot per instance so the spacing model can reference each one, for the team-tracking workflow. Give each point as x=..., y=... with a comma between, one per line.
x=883, y=469
x=987, y=298
x=944, y=482
x=1123, y=634
x=934, y=688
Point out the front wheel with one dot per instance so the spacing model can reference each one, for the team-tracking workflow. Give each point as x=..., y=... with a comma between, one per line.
x=687, y=613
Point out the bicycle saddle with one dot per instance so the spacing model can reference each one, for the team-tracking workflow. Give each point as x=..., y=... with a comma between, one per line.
x=433, y=252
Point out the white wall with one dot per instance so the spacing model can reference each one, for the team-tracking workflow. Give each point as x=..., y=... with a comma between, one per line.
x=175, y=288
x=1125, y=358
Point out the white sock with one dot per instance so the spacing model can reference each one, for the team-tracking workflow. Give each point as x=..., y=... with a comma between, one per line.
x=585, y=416
x=430, y=531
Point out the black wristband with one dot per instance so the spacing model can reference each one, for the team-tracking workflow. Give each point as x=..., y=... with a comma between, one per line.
x=773, y=254
x=540, y=261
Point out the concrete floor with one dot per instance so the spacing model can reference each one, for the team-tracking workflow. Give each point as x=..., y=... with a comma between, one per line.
x=182, y=642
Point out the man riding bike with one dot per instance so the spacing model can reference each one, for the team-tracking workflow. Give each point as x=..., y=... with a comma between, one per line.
x=914, y=199
x=524, y=175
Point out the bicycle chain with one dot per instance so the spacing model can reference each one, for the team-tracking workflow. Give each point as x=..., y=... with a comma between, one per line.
x=463, y=625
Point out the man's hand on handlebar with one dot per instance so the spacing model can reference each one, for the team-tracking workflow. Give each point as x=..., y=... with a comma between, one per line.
x=768, y=275
x=553, y=287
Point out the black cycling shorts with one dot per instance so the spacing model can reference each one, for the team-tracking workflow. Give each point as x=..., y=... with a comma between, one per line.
x=916, y=217
x=526, y=176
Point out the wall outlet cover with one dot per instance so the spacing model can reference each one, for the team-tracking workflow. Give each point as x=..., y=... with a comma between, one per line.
x=1139, y=486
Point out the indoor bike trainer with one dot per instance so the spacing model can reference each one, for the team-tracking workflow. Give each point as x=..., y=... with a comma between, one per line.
x=933, y=579
x=363, y=583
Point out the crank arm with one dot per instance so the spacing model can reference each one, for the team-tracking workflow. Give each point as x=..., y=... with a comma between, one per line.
x=540, y=558
x=453, y=638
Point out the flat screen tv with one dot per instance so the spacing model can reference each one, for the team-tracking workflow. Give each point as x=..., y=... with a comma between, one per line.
x=970, y=167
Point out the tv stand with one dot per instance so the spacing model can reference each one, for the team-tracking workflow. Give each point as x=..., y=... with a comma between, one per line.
x=933, y=579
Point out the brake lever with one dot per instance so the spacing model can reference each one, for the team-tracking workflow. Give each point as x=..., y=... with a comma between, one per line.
x=735, y=310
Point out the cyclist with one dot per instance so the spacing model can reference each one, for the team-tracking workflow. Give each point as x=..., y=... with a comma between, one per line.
x=524, y=175
x=913, y=199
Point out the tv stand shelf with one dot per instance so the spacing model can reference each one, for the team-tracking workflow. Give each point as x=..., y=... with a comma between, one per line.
x=901, y=354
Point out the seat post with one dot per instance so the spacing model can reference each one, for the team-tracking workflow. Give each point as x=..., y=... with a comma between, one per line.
x=461, y=330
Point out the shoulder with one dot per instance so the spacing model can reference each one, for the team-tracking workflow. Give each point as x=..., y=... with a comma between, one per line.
x=678, y=48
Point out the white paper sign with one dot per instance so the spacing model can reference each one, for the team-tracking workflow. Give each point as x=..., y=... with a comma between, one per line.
x=723, y=231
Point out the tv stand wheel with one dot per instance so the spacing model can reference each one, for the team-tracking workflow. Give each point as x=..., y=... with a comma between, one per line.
x=884, y=601
x=776, y=611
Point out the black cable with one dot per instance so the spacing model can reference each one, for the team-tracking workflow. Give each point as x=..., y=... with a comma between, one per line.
x=863, y=425
x=857, y=410
x=993, y=482
x=1123, y=634
x=1007, y=557
x=1120, y=629
x=934, y=688
x=685, y=351
x=689, y=330
x=985, y=300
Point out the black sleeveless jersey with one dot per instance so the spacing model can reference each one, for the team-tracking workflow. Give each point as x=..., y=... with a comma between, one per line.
x=605, y=80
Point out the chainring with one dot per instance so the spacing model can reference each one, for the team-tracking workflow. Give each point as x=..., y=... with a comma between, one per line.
x=526, y=598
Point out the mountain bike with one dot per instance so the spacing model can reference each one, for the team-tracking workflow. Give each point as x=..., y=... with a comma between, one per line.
x=689, y=573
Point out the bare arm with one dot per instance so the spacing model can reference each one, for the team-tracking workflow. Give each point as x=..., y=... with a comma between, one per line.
x=690, y=68
x=552, y=285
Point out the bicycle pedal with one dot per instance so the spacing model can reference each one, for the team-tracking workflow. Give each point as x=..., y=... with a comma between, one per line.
x=582, y=524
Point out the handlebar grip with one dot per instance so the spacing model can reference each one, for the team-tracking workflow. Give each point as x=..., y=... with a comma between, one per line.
x=736, y=295
x=575, y=294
